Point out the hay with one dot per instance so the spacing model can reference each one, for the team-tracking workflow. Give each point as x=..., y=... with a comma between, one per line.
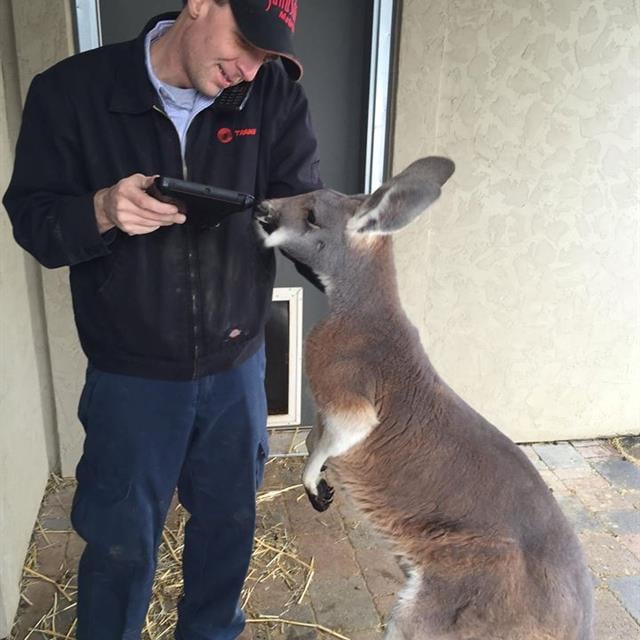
x=274, y=560
x=276, y=568
x=59, y=587
x=295, y=623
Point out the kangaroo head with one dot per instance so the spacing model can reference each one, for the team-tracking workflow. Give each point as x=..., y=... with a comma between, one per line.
x=324, y=229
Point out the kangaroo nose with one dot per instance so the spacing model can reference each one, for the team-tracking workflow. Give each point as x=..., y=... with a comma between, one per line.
x=265, y=214
x=261, y=209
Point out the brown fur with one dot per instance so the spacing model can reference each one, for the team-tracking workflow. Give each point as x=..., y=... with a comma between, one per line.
x=494, y=558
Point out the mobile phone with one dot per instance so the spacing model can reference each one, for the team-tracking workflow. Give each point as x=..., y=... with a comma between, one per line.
x=234, y=98
x=203, y=204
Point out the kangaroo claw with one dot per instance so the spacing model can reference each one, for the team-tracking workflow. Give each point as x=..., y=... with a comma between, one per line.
x=323, y=500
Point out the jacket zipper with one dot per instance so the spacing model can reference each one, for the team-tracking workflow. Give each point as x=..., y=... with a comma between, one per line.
x=190, y=259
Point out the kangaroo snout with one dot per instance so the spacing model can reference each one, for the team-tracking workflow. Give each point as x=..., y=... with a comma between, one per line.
x=266, y=214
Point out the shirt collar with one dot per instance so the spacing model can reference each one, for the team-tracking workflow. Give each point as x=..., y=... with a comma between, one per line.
x=133, y=89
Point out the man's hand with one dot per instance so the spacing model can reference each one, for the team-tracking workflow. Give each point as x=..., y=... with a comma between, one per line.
x=127, y=206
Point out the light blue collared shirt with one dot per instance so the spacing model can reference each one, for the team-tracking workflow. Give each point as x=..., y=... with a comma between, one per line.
x=181, y=105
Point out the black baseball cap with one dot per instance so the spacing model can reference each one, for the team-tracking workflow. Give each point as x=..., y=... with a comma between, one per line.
x=270, y=25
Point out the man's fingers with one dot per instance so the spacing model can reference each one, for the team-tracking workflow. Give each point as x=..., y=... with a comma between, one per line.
x=139, y=231
x=144, y=201
x=136, y=191
x=140, y=181
x=148, y=203
x=161, y=218
x=148, y=207
x=134, y=216
x=134, y=211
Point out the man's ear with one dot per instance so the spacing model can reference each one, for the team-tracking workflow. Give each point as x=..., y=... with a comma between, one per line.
x=194, y=7
x=402, y=198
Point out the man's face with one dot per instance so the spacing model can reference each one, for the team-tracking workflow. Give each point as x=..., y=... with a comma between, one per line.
x=216, y=56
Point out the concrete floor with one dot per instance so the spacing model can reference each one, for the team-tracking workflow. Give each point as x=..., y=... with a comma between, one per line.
x=355, y=579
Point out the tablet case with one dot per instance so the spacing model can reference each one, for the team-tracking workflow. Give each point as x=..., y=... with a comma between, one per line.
x=204, y=205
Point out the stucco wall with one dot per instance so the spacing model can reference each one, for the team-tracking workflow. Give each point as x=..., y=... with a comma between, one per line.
x=26, y=425
x=28, y=439
x=524, y=280
x=44, y=35
x=24, y=465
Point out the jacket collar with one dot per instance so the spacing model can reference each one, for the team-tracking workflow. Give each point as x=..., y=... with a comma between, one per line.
x=133, y=91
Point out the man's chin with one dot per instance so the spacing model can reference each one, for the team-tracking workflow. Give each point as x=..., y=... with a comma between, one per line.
x=208, y=88
x=210, y=91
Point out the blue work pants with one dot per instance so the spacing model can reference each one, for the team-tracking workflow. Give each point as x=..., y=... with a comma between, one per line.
x=144, y=438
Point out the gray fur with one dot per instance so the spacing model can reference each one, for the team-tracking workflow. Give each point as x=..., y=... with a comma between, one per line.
x=489, y=553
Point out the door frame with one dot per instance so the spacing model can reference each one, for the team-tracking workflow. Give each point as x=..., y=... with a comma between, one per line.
x=293, y=296
x=89, y=36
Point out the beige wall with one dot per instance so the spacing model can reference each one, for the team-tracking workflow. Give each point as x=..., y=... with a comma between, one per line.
x=24, y=464
x=525, y=278
x=44, y=35
x=28, y=440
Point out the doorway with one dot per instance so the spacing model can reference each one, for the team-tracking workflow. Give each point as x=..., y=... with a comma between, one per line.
x=345, y=48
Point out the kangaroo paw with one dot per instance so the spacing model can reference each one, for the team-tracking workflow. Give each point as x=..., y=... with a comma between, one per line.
x=324, y=497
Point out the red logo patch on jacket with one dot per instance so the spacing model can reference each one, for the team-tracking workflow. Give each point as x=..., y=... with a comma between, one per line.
x=226, y=135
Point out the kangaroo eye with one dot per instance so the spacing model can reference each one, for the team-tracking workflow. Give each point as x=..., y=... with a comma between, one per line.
x=311, y=219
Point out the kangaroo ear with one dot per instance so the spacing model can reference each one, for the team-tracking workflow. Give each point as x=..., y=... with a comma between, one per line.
x=402, y=198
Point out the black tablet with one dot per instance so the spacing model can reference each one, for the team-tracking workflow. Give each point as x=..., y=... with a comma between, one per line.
x=203, y=204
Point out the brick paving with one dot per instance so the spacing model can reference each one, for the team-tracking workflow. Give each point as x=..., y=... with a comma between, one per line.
x=356, y=579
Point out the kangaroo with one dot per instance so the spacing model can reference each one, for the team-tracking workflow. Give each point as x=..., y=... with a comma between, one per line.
x=490, y=554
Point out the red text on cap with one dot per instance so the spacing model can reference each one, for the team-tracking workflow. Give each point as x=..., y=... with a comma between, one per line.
x=288, y=11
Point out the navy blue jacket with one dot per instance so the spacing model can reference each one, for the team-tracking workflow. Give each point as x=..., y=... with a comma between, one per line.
x=183, y=301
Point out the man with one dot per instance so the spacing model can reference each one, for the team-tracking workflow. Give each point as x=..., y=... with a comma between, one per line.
x=170, y=312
